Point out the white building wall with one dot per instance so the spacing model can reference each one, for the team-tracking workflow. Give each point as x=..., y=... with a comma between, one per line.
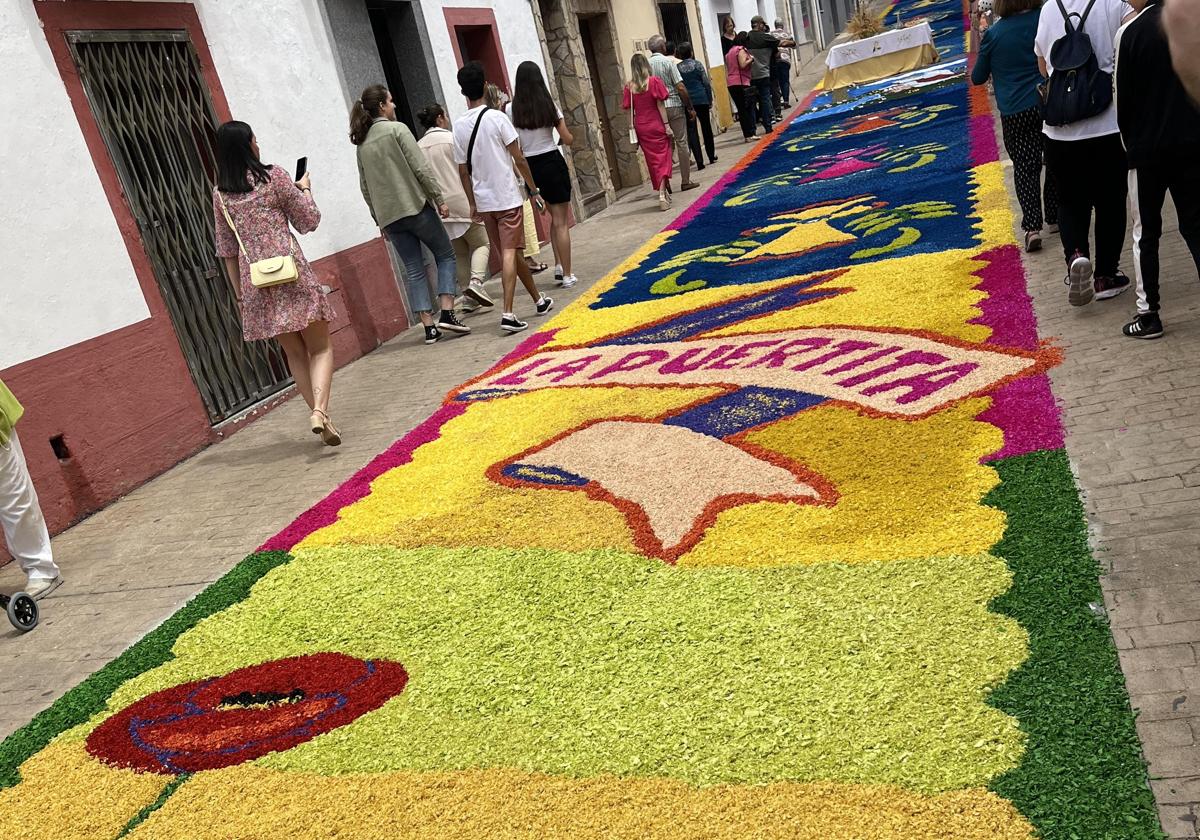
x=278, y=73
x=66, y=274
x=68, y=277
x=518, y=41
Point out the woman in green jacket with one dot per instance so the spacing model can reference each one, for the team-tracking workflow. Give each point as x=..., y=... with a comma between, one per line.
x=20, y=515
x=401, y=191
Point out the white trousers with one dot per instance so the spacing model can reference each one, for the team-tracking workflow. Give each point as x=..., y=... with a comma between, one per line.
x=21, y=516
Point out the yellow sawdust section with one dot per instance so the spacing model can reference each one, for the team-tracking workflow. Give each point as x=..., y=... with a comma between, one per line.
x=65, y=794
x=511, y=804
x=991, y=205
x=907, y=489
x=444, y=497
x=930, y=292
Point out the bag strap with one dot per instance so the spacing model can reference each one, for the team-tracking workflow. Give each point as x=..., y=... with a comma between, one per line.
x=471, y=143
x=232, y=227
x=1086, y=12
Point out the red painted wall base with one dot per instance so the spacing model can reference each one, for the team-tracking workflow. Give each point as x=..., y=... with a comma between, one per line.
x=127, y=411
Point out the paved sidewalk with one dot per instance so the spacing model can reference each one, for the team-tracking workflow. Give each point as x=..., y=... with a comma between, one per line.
x=1132, y=413
x=131, y=565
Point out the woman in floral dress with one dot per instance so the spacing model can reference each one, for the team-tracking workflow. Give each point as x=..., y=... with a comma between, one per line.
x=262, y=201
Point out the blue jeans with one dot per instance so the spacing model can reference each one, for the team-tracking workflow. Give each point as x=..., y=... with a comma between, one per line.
x=407, y=235
x=759, y=93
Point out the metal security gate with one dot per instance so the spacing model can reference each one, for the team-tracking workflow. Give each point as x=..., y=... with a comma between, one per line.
x=154, y=112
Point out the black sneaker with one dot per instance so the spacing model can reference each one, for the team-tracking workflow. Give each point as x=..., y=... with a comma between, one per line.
x=544, y=304
x=512, y=324
x=1110, y=287
x=432, y=335
x=1145, y=325
x=450, y=323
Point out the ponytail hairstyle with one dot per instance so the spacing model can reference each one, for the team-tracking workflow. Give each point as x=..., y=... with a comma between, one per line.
x=532, y=104
x=368, y=108
x=428, y=116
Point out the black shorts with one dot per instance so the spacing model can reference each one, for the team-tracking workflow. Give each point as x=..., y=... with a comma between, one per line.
x=552, y=177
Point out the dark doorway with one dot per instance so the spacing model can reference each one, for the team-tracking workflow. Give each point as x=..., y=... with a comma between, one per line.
x=606, y=130
x=675, y=23
x=154, y=111
x=387, y=22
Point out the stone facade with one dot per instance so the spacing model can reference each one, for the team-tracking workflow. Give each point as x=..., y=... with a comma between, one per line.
x=569, y=75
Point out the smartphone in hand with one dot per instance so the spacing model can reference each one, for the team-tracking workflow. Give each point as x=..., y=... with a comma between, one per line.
x=301, y=167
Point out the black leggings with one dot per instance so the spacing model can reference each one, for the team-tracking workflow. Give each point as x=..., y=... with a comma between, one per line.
x=1024, y=142
x=1090, y=174
x=705, y=128
x=740, y=94
x=1148, y=188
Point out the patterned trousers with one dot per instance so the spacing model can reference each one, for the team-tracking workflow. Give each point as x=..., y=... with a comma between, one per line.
x=1023, y=140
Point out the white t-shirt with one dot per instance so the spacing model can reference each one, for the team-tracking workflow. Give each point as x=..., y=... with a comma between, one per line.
x=1102, y=25
x=492, y=177
x=537, y=141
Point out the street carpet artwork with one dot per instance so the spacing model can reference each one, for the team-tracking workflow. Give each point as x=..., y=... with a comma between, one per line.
x=770, y=534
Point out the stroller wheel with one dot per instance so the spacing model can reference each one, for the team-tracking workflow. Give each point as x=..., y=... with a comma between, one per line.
x=23, y=612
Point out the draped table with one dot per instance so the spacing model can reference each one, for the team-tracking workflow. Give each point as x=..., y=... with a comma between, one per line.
x=886, y=54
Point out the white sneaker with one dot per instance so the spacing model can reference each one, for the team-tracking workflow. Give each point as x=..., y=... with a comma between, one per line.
x=568, y=281
x=38, y=588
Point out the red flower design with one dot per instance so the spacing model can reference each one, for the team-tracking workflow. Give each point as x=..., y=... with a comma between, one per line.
x=248, y=713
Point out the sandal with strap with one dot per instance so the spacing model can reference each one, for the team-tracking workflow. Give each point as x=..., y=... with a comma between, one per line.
x=321, y=425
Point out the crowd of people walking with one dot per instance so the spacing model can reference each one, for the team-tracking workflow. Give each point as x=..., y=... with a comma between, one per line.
x=1087, y=87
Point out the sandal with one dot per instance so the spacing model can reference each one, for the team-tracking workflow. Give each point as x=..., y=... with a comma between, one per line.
x=535, y=267
x=321, y=425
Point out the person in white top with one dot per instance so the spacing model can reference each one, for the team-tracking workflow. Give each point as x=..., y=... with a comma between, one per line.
x=469, y=237
x=486, y=149
x=536, y=119
x=1087, y=159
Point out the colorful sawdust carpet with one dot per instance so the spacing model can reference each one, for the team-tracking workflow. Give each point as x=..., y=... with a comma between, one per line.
x=770, y=534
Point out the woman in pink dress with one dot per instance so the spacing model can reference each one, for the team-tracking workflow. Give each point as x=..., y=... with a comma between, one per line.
x=646, y=94
x=261, y=202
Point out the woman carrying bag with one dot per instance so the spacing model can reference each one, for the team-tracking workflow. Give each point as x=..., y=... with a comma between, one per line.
x=644, y=96
x=737, y=76
x=276, y=289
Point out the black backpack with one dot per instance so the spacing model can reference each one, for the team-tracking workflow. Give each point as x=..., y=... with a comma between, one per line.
x=1078, y=88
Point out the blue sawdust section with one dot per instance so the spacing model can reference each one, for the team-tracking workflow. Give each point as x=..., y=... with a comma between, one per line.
x=800, y=210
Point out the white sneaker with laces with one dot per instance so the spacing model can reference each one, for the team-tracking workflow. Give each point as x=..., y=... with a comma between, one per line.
x=569, y=280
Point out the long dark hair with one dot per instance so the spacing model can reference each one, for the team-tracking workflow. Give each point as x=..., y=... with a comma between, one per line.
x=366, y=110
x=428, y=116
x=532, y=105
x=238, y=168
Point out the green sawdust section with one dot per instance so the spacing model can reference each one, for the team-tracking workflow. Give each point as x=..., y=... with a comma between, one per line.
x=91, y=695
x=608, y=663
x=1082, y=776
